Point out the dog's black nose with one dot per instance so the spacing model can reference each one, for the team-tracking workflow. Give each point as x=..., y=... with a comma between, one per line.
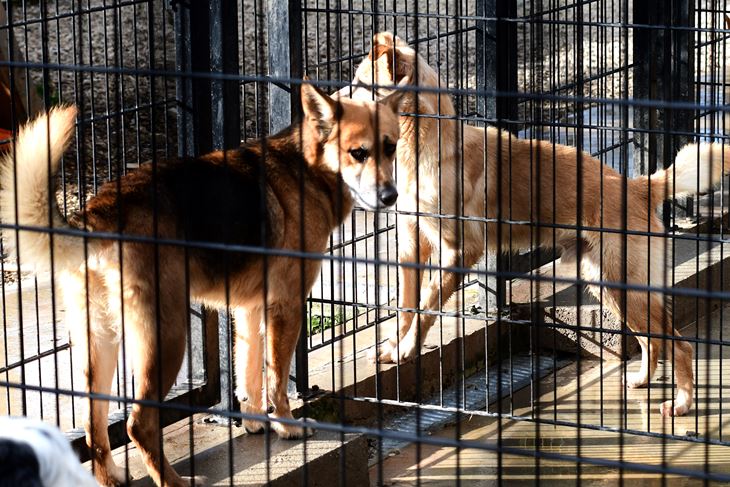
x=388, y=195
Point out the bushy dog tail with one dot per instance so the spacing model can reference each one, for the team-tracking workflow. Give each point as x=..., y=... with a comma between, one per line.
x=27, y=194
x=696, y=169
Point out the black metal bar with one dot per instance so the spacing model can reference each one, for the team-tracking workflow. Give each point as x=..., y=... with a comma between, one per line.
x=486, y=34
x=208, y=117
x=225, y=95
x=285, y=59
x=654, y=50
x=506, y=61
x=192, y=43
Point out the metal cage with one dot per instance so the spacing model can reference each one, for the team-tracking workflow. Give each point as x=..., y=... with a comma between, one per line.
x=523, y=376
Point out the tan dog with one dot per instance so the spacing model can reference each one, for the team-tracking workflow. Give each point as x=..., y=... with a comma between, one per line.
x=256, y=195
x=537, y=184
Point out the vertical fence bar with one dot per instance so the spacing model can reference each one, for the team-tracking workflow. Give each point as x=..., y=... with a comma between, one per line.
x=506, y=111
x=198, y=27
x=486, y=72
x=192, y=45
x=657, y=51
x=285, y=60
x=225, y=126
x=495, y=72
x=486, y=48
x=506, y=63
x=225, y=95
x=284, y=23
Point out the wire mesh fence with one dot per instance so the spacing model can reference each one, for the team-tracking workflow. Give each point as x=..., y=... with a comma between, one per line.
x=541, y=300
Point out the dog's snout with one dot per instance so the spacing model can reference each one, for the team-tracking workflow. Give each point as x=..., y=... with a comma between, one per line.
x=388, y=195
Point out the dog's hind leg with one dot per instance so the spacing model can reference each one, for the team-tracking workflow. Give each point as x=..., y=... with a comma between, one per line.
x=96, y=346
x=680, y=354
x=647, y=315
x=156, y=318
x=103, y=354
x=660, y=335
x=650, y=348
x=413, y=249
x=249, y=362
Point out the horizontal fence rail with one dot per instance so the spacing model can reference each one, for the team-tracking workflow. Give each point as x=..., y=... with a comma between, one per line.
x=527, y=310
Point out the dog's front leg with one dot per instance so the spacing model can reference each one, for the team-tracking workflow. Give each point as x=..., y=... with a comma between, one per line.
x=413, y=248
x=249, y=363
x=282, y=334
x=442, y=286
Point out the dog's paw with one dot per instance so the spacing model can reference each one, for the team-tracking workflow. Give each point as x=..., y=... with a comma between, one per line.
x=111, y=475
x=406, y=350
x=392, y=352
x=670, y=408
x=292, y=432
x=635, y=380
x=253, y=427
x=383, y=353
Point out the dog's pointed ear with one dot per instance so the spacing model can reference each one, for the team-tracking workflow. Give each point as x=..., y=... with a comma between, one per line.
x=394, y=99
x=383, y=43
x=399, y=58
x=320, y=110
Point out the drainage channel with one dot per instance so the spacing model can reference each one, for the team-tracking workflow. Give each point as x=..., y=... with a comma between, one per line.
x=514, y=374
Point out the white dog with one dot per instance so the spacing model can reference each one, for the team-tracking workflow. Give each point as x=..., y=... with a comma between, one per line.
x=34, y=453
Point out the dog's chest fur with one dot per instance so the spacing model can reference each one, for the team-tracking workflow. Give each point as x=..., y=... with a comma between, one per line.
x=438, y=181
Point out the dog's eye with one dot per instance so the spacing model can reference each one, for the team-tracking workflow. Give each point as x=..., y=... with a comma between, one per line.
x=389, y=148
x=359, y=154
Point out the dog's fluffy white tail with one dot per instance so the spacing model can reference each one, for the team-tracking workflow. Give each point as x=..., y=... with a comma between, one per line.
x=696, y=169
x=27, y=173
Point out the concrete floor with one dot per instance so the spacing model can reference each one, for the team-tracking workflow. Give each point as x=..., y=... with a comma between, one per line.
x=597, y=389
x=228, y=456
x=334, y=366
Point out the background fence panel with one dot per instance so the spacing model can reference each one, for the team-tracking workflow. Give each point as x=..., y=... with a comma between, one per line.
x=523, y=375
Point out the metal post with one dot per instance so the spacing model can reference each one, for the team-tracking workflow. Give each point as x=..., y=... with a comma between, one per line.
x=192, y=42
x=664, y=70
x=496, y=67
x=225, y=95
x=209, y=118
x=285, y=61
x=486, y=36
x=506, y=63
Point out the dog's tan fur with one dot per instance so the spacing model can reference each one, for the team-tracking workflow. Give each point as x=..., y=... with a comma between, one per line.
x=538, y=183
x=309, y=178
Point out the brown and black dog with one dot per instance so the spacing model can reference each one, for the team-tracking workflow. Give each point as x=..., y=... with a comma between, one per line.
x=443, y=166
x=287, y=192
